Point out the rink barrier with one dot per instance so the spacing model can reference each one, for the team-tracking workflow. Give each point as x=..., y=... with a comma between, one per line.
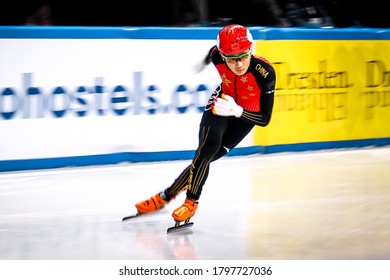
x=134, y=157
x=329, y=145
x=27, y=147
x=188, y=33
x=332, y=88
x=116, y=158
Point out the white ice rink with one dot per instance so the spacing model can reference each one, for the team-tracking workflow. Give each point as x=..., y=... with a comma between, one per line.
x=327, y=205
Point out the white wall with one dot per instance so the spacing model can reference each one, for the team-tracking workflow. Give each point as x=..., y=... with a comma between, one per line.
x=82, y=119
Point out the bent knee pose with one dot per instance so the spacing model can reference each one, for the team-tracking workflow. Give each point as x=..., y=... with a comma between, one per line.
x=244, y=99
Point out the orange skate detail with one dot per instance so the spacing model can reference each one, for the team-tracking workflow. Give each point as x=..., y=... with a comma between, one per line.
x=186, y=211
x=152, y=204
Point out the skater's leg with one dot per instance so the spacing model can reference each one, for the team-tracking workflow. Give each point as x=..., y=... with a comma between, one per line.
x=179, y=185
x=233, y=134
x=212, y=146
x=210, y=138
x=236, y=131
x=159, y=200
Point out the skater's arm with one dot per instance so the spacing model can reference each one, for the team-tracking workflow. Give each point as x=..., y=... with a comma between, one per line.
x=205, y=61
x=263, y=117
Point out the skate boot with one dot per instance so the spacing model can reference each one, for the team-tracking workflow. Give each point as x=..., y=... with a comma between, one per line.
x=150, y=205
x=183, y=214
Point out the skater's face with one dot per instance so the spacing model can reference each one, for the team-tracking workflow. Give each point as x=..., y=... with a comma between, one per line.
x=238, y=64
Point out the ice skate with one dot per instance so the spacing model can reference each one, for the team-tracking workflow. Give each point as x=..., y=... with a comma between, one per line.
x=182, y=215
x=148, y=206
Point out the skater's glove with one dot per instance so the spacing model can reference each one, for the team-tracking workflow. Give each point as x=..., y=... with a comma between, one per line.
x=226, y=106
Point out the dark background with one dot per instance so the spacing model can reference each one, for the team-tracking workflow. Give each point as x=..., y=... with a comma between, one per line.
x=338, y=13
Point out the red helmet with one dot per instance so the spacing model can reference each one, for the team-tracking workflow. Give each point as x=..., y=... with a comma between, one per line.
x=234, y=39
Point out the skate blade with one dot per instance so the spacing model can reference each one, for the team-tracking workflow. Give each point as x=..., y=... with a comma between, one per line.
x=179, y=228
x=130, y=217
x=146, y=215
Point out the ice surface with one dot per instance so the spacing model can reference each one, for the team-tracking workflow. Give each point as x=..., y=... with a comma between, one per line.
x=311, y=205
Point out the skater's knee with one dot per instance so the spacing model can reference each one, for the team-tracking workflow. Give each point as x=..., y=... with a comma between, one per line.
x=222, y=152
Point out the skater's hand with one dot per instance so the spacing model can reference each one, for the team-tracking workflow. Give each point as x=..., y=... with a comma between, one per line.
x=226, y=106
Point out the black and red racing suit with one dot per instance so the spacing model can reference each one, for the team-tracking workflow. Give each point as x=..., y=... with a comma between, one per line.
x=254, y=92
